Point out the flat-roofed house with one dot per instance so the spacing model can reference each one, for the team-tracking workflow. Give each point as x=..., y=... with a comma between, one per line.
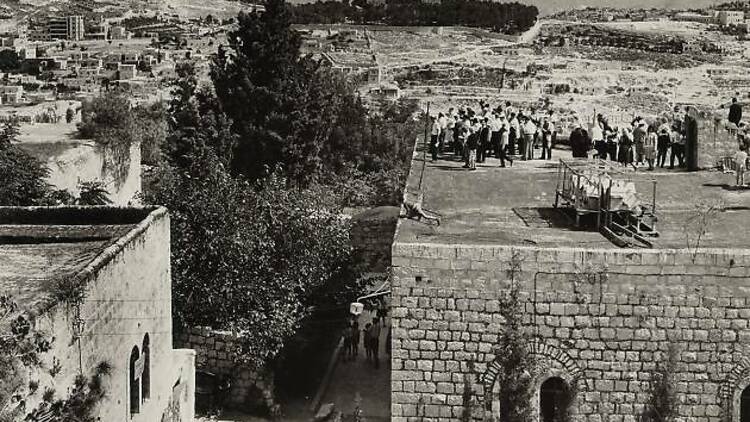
x=97, y=282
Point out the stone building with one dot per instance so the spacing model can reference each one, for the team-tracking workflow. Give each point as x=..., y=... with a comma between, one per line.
x=98, y=281
x=597, y=317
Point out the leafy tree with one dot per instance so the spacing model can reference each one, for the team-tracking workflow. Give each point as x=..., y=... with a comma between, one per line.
x=501, y=17
x=21, y=347
x=281, y=104
x=150, y=126
x=93, y=193
x=9, y=60
x=81, y=403
x=663, y=401
x=515, y=377
x=23, y=175
x=107, y=118
x=196, y=122
x=255, y=260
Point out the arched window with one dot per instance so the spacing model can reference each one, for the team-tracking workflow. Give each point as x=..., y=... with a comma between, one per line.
x=745, y=405
x=146, y=376
x=553, y=399
x=134, y=384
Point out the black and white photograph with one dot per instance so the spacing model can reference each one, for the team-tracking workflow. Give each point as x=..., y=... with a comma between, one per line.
x=374, y=210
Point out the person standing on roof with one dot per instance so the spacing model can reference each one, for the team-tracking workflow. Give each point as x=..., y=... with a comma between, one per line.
x=640, y=132
x=443, y=122
x=649, y=146
x=662, y=145
x=528, y=131
x=579, y=142
x=547, y=130
x=514, y=133
x=740, y=162
x=435, y=137
x=735, y=112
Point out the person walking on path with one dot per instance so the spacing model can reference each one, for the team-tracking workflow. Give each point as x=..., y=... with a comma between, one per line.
x=374, y=334
x=382, y=311
x=368, y=343
x=735, y=112
x=355, y=338
x=348, y=340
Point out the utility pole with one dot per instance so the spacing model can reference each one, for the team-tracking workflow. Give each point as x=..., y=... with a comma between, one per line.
x=424, y=148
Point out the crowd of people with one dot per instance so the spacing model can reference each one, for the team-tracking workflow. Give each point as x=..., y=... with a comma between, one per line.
x=369, y=335
x=508, y=133
x=640, y=143
x=502, y=132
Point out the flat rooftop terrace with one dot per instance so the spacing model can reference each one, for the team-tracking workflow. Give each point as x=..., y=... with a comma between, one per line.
x=41, y=246
x=514, y=205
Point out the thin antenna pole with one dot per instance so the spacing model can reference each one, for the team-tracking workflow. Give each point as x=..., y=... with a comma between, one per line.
x=424, y=149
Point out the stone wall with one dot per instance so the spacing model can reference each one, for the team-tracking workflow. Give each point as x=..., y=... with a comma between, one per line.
x=605, y=337
x=715, y=141
x=372, y=236
x=250, y=389
x=128, y=299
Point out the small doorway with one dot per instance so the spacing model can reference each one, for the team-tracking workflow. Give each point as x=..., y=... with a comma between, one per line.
x=553, y=397
x=745, y=405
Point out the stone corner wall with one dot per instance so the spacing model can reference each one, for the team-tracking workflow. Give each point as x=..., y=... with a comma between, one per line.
x=715, y=141
x=605, y=337
x=250, y=389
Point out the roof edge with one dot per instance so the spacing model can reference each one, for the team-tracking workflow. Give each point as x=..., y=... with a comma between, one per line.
x=104, y=257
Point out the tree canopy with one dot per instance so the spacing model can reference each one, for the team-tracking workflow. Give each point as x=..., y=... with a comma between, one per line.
x=23, y=175
x=501, y=17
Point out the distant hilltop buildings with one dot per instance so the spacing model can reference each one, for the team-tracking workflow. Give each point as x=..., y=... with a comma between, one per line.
x=722, y=17
x=59, y=28
x=74, y=28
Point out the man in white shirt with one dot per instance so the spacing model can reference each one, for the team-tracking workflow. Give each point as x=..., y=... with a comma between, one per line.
x=435, y=137
x=528, y=131
x=740, y=161
x=443, y=122
x=514, y=134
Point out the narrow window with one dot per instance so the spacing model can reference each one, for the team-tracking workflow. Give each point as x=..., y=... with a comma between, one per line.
x=134, y=382
x=146, y=376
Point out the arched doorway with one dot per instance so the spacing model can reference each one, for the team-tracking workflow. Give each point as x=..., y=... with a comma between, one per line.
x=745, y=405
x=553, y=397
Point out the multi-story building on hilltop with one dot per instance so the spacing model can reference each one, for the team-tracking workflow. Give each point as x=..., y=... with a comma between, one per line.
x=70, y=28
